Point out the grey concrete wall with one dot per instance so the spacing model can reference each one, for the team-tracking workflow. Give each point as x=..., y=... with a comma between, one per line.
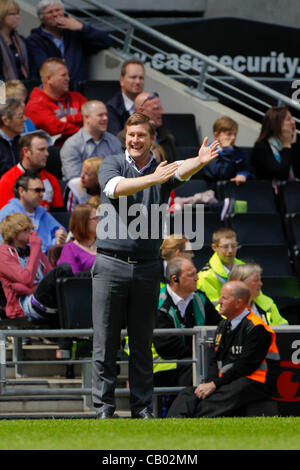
x=28, y=19
x=174, y=98
x=285, y=13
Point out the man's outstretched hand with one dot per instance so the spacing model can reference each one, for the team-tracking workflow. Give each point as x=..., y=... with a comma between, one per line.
x=207, y=153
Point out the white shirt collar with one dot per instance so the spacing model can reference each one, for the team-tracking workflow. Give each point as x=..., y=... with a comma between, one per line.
x=128, y=103
x=132, y=162
x=179, y=301
x=237, y=320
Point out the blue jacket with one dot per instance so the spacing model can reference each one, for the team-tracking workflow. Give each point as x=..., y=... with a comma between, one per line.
x=45, y=224
x=78, y=44
x=229, y=163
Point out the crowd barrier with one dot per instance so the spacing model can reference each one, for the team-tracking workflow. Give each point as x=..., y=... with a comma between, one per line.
x=287, y=394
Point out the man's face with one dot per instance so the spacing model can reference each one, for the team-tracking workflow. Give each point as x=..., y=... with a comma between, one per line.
x=132, y=83
x=228, y=303
x=153, y=109
x=15, y=125
x=59, y=80
x=97, y=119
x=188, y=277
x=139, y=141
x=51, y=14
x=37, y=153
x=226, y=249
x=33, y=195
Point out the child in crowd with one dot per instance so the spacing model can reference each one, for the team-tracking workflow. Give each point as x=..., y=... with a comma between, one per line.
x=81, y=188
x=231, y=163
x=216, y=273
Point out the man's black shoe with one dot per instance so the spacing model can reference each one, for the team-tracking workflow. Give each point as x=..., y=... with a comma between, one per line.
x=106, y=414
x=142, y=414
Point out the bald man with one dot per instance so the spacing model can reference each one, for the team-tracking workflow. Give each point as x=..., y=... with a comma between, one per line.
x=244, y=367
x=92, y=140
x=164, y=146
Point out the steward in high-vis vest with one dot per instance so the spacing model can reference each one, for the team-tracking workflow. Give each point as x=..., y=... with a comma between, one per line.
x=214, y=275
x=244, y=367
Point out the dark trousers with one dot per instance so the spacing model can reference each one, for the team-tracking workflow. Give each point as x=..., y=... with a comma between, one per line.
x=123, y=294
x=181, y=376
x=224, y=401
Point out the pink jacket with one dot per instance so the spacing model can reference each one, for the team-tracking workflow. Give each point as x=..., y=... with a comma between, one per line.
x=17, y=281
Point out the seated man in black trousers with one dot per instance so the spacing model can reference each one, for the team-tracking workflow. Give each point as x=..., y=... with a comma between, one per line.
x=245, y=365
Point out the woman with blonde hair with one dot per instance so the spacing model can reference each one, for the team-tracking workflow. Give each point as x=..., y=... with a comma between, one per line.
x=173, y=246
x=27, y=277
x=14, y=62
x=260, y=304
x=17, y=89
x=80, y=189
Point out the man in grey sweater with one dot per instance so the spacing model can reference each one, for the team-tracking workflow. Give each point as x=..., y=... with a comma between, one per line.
x=127, y=270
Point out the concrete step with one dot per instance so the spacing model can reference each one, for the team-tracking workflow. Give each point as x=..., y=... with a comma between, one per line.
x=41, y=404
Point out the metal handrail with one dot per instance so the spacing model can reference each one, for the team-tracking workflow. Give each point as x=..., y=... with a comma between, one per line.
x=4, y=390
x=131, y=25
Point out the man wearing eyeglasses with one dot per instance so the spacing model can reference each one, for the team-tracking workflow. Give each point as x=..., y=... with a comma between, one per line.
x=12, y=121
x=33, y=148
x=164, y=146
x=29, y=192
x=213, y=275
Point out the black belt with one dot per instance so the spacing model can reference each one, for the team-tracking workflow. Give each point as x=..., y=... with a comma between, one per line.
x=124, y=256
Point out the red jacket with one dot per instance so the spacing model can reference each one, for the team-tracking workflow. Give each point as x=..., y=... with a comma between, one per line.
x=17, y=281
x=52, y=196
x=46, y=112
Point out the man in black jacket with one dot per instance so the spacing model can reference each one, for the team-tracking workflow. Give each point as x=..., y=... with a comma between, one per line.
x=65, y=37
x=181, y=305
x=121, y=105
x=245, y=364
x=12, y=121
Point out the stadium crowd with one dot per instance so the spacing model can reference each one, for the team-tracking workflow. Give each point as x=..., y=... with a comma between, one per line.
x=108, y=151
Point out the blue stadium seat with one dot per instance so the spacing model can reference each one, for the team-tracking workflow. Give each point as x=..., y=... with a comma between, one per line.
x=183, y=127
x=258, y=194
x=257, y=229
x=74, y=299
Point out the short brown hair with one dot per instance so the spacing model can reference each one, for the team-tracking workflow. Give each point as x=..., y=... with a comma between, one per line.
x=138, y=118
x=171, y=244
x=225, y=124
x=79, y=221
x=129, y=62
x=12, y=224
x=223, y=232
x=48, y=66
x=26, y=139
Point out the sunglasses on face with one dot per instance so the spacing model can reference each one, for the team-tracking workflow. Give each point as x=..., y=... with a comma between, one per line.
x=36, y=190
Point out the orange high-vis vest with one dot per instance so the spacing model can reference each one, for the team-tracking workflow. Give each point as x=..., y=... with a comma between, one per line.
x=260, y=373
